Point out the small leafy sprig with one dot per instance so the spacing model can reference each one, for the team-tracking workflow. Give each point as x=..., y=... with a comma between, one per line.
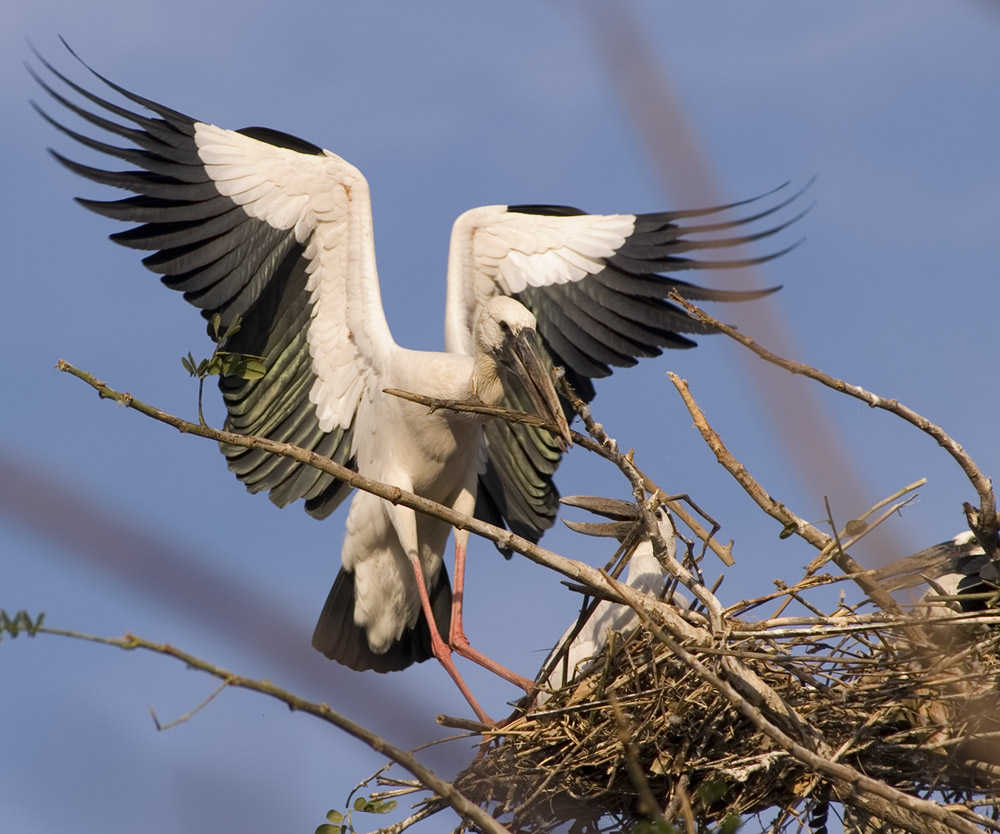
x=223, y=362
x=21, y=622
x=341, y=823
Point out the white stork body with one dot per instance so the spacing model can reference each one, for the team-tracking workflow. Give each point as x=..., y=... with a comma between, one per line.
x=582, y=643
x=433, y=454
x=260, y=225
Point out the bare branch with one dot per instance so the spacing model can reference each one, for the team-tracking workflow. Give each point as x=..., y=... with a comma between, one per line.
x=570, y=568
x=435, y=403
x=793, y=523
x=463, y=806
x=986, y=521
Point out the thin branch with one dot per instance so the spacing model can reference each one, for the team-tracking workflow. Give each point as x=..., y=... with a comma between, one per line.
x=463, y=806
x=793, y=523
x=724, y=552
x=570, y=568
x=187, y=716
x=987, y=522
x=647, y=801
x=507, y=414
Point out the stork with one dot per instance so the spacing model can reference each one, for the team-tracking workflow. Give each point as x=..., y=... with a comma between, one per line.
x=261, y=225
x=958, y=569
x=584, y=640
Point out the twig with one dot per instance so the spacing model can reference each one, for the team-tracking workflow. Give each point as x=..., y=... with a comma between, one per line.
x=647, y=802
x=686, y=812
x=190, y=713
x=463, y=806
x=507, y=414
x=987, y=522
x=793, y=523
x=413, y=819
x=436, y=403
x=504, y=538
x=825, y=555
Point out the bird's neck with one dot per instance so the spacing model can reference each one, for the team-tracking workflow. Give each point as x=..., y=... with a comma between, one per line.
x=486, y=385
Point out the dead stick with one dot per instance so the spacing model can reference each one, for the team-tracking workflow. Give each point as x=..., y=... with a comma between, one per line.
x=821, y=541
x=985, y=523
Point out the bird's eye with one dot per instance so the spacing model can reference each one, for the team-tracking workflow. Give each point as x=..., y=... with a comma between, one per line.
x=504, y=326
x=658, y=514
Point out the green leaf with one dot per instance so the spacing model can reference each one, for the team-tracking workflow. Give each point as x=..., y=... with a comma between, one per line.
x=253, y=368
x=216, y=324
x=215, y=365
x=328, y=829
x=230, y=364
x=731, y=824
x=335, y=817
x=360, y=803
x=20, y=622
x=381, y=806
x=188, y=363
x=245, y=366
x=234, y=327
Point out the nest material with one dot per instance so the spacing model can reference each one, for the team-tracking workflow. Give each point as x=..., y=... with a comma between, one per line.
x=917, y=711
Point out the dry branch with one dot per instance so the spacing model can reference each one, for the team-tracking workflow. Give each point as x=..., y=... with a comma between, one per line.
x=821, y=541
x=985, y=522
x=890, y=713
x=444, y=789
x=724, y=552
x=577, y=571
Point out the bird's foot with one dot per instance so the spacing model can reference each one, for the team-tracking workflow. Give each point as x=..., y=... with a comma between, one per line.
x=460, y=643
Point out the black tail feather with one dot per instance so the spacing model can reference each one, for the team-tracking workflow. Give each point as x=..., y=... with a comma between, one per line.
x=337, y=636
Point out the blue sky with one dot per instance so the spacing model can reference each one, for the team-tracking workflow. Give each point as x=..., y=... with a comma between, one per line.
x=444, y=106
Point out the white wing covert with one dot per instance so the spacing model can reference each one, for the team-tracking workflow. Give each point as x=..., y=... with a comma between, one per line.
x=259, y=225
x=597, y=286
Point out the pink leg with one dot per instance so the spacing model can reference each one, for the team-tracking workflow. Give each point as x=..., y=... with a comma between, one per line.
x=440, y=648
x=456, y=637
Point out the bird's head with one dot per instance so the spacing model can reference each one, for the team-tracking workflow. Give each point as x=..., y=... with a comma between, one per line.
x=509, y=363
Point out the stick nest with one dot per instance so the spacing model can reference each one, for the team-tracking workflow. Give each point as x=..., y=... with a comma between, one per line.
x=914, y=707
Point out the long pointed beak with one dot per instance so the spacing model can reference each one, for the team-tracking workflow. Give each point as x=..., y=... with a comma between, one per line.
x=534, y=373
x=613, y=508
x=625, y=515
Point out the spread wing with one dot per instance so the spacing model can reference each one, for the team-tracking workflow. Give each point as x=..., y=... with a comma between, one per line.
x=597, y=285
x=260, y=225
